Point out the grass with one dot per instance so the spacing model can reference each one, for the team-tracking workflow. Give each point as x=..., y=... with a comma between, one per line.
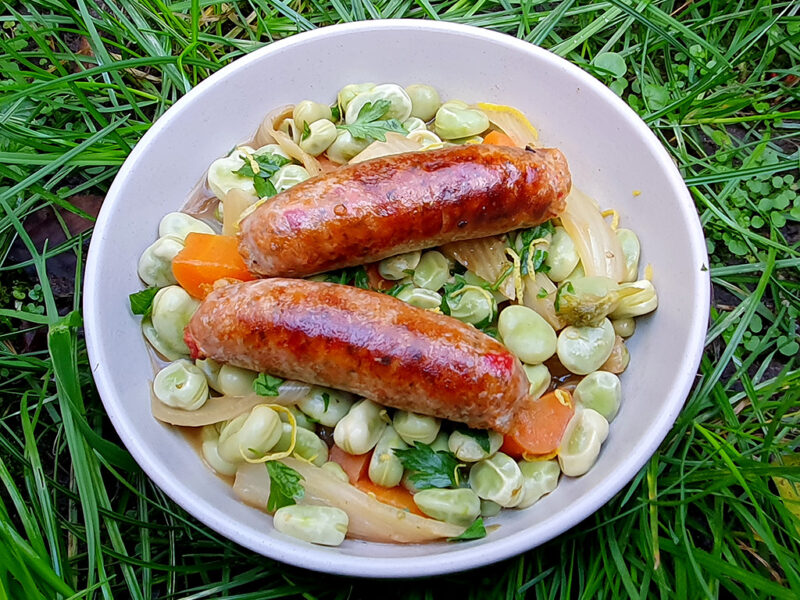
x=716, y=80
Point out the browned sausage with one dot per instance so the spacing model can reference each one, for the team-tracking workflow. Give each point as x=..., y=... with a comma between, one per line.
x=385, y=206
x=363, y=342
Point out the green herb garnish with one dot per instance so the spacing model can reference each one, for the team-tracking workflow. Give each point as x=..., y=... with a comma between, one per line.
x=142, y=302
x=475, y=531
x=370, y=124
x=430, y=468
x=481, y=436
x=326, y=400
x=285, y=488
x=567, y=288
x=267, y=385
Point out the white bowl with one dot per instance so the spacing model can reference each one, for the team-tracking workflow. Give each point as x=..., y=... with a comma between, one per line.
x=611, y=153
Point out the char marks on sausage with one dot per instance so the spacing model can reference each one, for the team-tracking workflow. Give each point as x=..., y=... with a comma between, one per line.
x=364, y=342
x=382, y=207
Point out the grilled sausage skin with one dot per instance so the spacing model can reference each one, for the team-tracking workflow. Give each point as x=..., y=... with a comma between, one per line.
x=363, y=342
x=385, y=206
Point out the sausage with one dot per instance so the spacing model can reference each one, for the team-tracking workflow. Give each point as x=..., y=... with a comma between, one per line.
x=364, y=342
x=382, y=207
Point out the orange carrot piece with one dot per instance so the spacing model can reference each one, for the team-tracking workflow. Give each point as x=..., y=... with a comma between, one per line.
x=498, y=138
x=355, y=465
x=205, y=259
x=396, y=496
x=539, y=426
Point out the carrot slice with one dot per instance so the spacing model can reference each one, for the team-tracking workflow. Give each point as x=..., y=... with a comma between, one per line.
x=498, y=138
x=205, y=259
x=396, y=496
x=355, y=465
x=539, y=426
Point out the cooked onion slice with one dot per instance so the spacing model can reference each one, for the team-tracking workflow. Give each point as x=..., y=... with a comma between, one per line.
x=369, y=519
x=268, y=130
x=486, y=257
x=395, y=144
x=595, y=241
x=512, y=122
x=222, y=408
x=233, y=205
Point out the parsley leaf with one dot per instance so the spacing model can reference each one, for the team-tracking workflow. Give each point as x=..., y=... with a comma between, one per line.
x=356, y=276
x=396, y=289
x=369, y=124
x=567, y=288
x=481, y=436
x=264, y=187
x=542, y=293
x=336, y=114
x=475, y=531
x=428, y=468
x=267, y=162
x=525, y=239
x=267, y=385
x=142, y=302
x=326, y=400
x=458, y=283
x=306, y=131
x=284, y=486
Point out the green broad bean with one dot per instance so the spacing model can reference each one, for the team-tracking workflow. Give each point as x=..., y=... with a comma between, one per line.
x=420, y=297
x=413, y=427
x=321, y=134
x=324, y=525
x=473, y=279
x=432, y=271
x=151, y=335
x=526, y=334
x=336, y=470
x=307, y=444
x=472, y=304
x=300, y=419
x=562, y=256
x=397, y=267
x=210, y=369
x=585, y=433
x=251, y=435
x=181, y=385
x=222, y=176
x=584, y=349
x=348, y=92
x=288, y=176
x=178, y=225
x=210, y=451
x=326, y=406
x=414, y=124
x=497, y=478
x=384, y=467
x=539, y=478
x=468, y=449
x=309, y=112
x=600, y=391
x=441, y=442
x=172, y=309
x=455, y=119
x=490, y=509
x=345, y=147
x=577, y=273
x=624, y=328
x=631, y=249
x=460, y=506
x=424, y=137
x=425, y=101
x=361, y=428
x=645, y=300
x=539, y=379
x=399, y=102
x=235, y=381
x=155, y=263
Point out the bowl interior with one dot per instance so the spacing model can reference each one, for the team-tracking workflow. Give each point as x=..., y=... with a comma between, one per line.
x=613, y=157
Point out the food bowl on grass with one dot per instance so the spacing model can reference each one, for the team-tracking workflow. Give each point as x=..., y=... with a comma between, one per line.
x=613, y=157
